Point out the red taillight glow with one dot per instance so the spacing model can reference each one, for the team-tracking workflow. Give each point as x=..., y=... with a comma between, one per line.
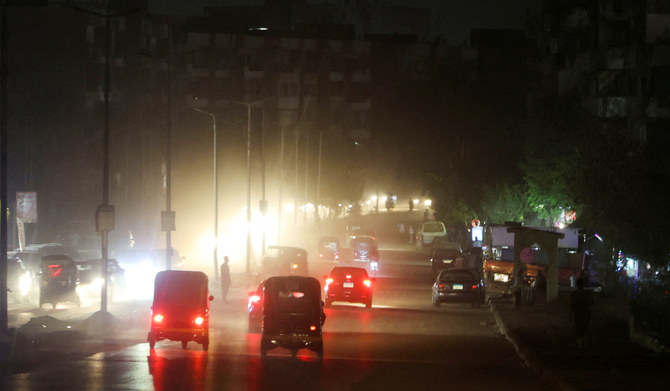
x=328, y=281
x=474, y=287
x=254, y=299
x=199, y=320
x=312, y=328
x=441, y=286
x=158, y=318
x=367, y=283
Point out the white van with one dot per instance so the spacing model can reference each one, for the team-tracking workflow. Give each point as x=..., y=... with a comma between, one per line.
x=429, y=231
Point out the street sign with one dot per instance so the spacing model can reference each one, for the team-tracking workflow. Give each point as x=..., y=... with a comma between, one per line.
x=167, y=220
x=26, y=206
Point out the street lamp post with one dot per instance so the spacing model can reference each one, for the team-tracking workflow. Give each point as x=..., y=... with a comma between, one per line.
x=249, y=104
x=216, y=195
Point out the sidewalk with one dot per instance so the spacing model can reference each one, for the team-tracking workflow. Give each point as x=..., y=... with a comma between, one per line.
x=614, y=360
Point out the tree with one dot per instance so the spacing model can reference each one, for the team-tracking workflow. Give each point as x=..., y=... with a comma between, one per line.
x=504, y=202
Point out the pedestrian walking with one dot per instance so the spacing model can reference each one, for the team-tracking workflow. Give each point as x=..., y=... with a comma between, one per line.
x=225, y=279
x=411, y=233
x=581, y=302
x=411, y=205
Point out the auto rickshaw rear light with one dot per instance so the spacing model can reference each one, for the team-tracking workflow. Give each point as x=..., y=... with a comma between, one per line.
x=199, y=320
x=367, y=283
x=328, y=281
x=158, y=318
x=312, y=328
x=254, y=299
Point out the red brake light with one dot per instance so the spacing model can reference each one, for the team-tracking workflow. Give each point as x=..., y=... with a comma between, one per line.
x=441, y=286
x=158, y=318
x=312, y=328
x=254, y=299
x=367, y=283
x=474, y=287
x=329, y=280
x=53, y=266
x=199, y=320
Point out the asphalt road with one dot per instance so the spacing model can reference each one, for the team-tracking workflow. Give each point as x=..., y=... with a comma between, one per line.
x=402, y=343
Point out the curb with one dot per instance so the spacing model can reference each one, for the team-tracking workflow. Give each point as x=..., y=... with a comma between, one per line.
x=530, y=359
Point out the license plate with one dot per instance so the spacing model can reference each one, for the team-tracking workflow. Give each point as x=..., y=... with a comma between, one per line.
x=458, y=287
x=348, y=285
x=501, y=277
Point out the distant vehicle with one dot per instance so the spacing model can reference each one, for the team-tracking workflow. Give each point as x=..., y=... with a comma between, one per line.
x=429, y=231
x=443, y=258
x=58, y=278
x=255, y=309
x=366, y=253
x=458, y=285
x=284, y=260
x=91, y=277
x=348, y=284
x=293, y=315
x=19, y=280
x=180, y=310
x=329, y=249
x=140, y=266
x=354, y=231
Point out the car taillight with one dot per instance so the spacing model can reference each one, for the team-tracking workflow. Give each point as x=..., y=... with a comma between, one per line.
x=367, y=283
x=328, y=281
x=254, y=299
x=199, y=320
x=441, y=286
x=474, y=287
x=312, y=328
x=158, y=318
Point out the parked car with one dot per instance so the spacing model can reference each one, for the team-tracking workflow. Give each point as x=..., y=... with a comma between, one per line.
x=444, y=258
x=462, y=285
x=349, y=284
x=429, y=231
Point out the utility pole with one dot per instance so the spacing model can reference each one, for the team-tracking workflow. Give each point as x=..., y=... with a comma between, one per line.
x=4, y=317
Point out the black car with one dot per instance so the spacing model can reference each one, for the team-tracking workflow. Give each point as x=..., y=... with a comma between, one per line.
x=349, y=284
x=460, y=285
x=444, y=258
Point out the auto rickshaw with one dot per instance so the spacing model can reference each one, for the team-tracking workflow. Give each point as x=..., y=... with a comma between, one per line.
x=329, y=249
x=180, y=310
x=292, y=315
x=58, y=278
